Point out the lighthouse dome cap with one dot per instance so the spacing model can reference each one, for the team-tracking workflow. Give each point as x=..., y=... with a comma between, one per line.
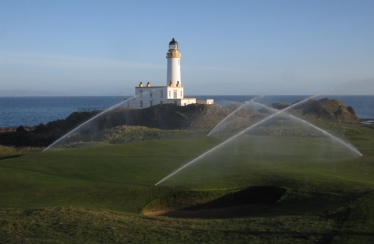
x=173, y=42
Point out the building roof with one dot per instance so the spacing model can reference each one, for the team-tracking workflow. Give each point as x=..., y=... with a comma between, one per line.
x=173, y=42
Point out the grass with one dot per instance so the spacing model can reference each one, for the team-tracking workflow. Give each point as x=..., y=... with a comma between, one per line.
x=66, y=225
x=97, y=194
x=359, y=226
x=11, y=152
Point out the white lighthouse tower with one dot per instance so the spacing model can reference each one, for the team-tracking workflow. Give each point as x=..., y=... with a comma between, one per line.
x=174, y=65
x=173, y=92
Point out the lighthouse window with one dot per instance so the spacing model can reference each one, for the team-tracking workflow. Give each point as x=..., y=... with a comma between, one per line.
x=161, y=94
x=169, y=93
x=181, y=94
x=141, y=93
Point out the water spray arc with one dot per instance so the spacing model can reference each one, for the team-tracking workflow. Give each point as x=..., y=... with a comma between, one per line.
x=76, y=128
x=317, y=128
x=239, y=134
x=98, y=115
x=220, y=124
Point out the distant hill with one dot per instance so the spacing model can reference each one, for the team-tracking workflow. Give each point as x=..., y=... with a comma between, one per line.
x=168, y=117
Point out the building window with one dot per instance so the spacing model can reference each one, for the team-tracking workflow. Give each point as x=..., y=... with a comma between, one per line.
x=181, y=94
x=175, y=94
x=169, y=94
x=161, y=94
x=140, y=93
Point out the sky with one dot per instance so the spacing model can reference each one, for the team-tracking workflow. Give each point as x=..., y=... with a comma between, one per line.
x=280, y=47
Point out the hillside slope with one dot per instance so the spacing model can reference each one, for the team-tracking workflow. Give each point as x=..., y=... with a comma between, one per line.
x=166, y=117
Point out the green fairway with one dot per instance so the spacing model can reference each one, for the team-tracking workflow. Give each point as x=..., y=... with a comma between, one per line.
x=98, y=193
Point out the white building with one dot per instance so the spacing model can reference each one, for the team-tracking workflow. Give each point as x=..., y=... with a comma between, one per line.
x=173, y=92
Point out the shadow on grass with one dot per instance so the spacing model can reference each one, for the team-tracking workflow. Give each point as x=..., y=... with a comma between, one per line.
x=233, y=205
x=11, y=156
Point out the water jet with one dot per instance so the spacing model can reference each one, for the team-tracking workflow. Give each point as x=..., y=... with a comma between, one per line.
x=238, y=134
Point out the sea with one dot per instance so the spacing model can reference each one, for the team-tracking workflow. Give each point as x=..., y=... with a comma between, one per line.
x=31, y=111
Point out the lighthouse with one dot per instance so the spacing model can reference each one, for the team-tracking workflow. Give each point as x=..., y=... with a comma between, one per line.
x=173, y=77
x=147, y=95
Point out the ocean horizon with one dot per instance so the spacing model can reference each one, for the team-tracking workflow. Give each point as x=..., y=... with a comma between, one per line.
x=33, y=110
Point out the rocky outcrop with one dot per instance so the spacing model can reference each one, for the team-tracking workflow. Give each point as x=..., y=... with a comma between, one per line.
x=328, y=109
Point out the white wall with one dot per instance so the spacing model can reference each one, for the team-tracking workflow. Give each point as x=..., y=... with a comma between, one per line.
x=150, y=96
x=206, y=101
x=173, y=71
